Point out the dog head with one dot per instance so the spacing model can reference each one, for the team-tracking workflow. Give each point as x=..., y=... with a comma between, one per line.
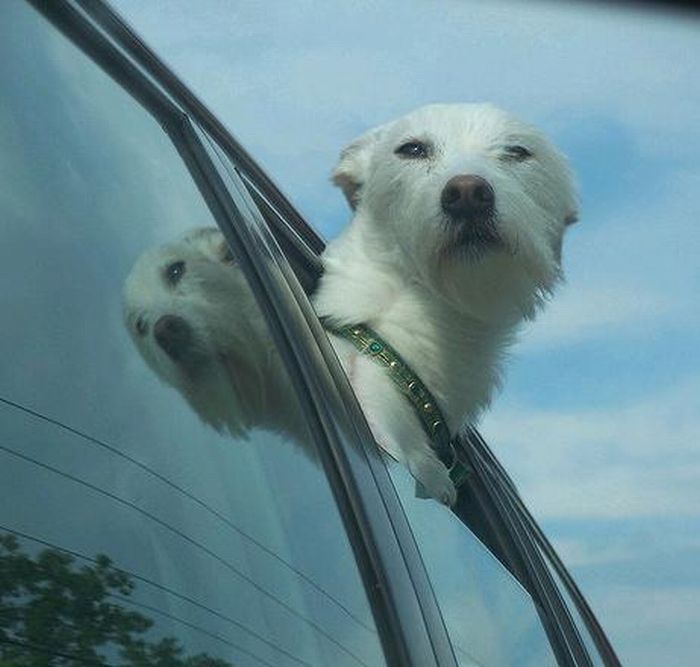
x=474, y=200
x=194, y=320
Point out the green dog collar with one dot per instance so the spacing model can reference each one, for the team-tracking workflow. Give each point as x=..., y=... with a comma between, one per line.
x=371, y=344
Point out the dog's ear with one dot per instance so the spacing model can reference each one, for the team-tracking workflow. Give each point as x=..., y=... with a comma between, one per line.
x=212, y=243
x=351, y=171
x=203, y=235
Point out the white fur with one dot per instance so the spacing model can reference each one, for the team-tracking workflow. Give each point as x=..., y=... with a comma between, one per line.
x=450, y=308
x=229, y=371
x=451, y=312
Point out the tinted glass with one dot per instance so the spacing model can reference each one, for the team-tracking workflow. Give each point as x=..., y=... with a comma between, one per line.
x=491, y=619
x=130, y=531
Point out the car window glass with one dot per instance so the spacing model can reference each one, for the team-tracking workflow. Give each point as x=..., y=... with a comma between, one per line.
x=491, y=619
x=131, y=532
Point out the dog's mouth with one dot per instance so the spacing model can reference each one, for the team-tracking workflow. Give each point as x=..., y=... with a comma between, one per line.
x=477, y=235
x=472, y=239
x=178, y=340
x=174, y=336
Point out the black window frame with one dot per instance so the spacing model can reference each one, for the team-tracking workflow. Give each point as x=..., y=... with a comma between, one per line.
x=279, y=253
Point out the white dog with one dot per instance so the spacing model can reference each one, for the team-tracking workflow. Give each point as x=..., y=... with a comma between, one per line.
x=459, y=216
x=192, y=315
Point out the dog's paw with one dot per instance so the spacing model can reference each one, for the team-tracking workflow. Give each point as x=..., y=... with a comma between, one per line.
x=434, y=477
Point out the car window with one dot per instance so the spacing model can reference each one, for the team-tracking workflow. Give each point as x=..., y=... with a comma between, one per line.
x=491, y=619
x=131, y=531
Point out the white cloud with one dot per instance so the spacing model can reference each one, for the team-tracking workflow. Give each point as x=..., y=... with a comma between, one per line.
x=282, y=73
x=588, y=313
x=639, y=460
x=629, y=274
x=577, y=552
x=652, y=626
x=659, y=607
x=622, y=544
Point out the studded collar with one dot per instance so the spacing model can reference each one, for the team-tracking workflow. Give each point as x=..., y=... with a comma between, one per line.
x=371, y=344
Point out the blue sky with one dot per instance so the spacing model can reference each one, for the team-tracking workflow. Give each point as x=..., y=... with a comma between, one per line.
x=599, y=422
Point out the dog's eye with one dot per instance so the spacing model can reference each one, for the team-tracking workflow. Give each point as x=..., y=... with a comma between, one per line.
x=414, y=150
x=174, y=272
x=517, y=153
x=141, y=326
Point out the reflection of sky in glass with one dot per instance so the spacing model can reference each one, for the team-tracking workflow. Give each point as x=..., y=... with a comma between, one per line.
x=88, y=181
x=491, y=619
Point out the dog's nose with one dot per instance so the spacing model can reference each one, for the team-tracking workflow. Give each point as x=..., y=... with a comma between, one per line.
x=173, y=335
x=468, y=197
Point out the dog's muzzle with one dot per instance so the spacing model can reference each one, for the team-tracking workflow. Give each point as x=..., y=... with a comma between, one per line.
x=468, y=198
x=469, y=203
x=174, y=336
